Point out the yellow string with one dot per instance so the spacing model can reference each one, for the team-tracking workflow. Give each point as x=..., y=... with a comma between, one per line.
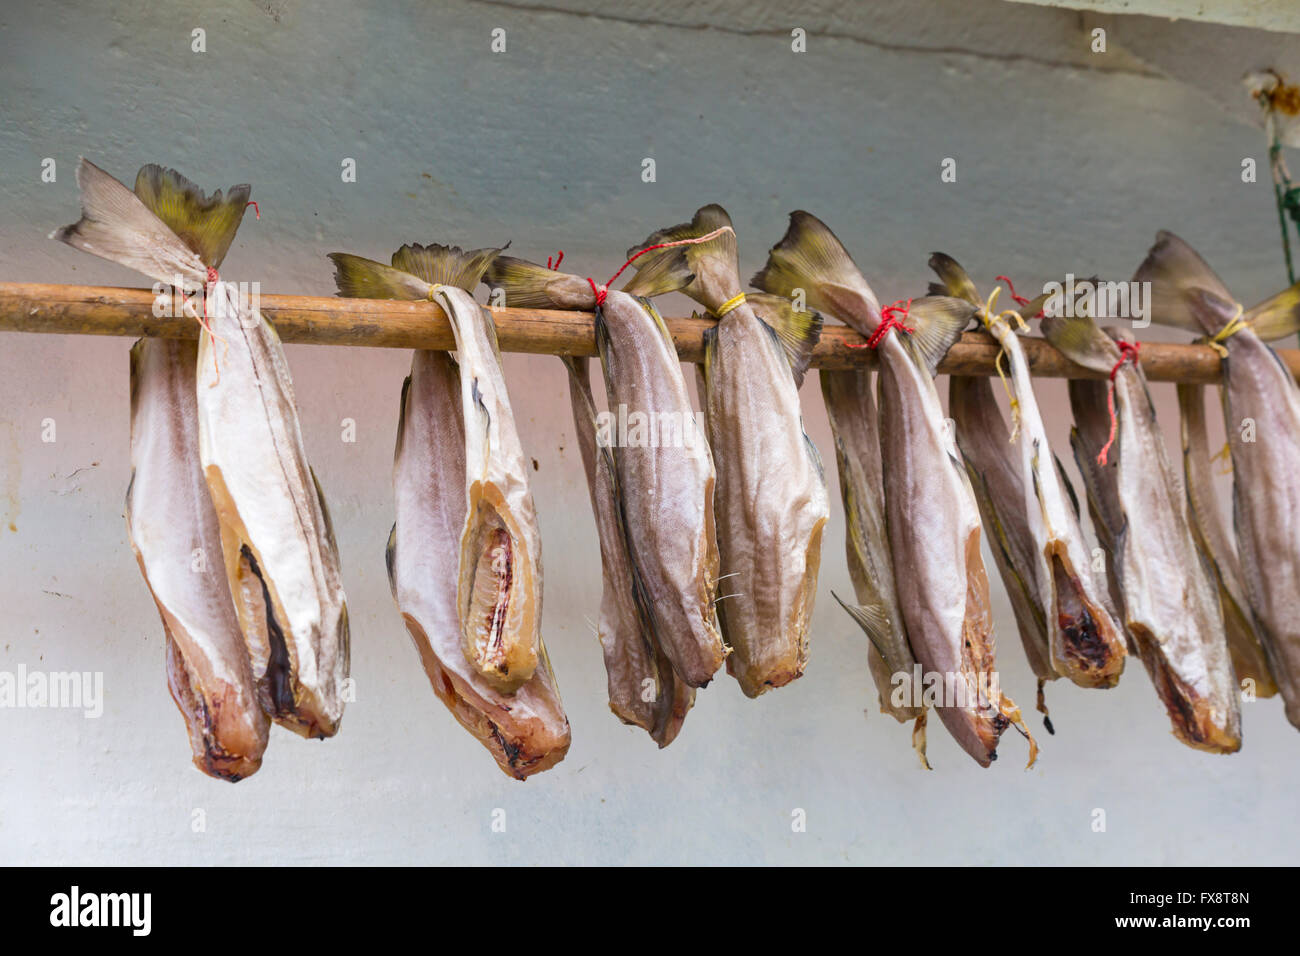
x=736, y=300
x=990, y=319
x=1235, y=325
x=434, y=290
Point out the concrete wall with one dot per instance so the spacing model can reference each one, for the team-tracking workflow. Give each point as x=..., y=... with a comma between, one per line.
x=1067, y=161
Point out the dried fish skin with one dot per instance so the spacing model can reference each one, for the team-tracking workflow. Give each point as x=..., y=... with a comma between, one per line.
x=770, y=502
x=852, y=413
x=500, y=571
x=931, y=513
x=1169, y=605
x=1245, y=645
x=526, y=731
x=176, y=539
x=635, y=661
x=274, y=528
x=1266, y=472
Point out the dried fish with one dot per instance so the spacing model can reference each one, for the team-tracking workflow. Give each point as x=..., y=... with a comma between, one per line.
x=1169, y=605
x=771, y=503
x=500, y=577
x=525, y=731
x=174, y=532
x=652, y=487
x=1078, y=638
x=852, y=413
x=931, y=513
x=1245, y=645
x=1261, y=407
x=277, y=541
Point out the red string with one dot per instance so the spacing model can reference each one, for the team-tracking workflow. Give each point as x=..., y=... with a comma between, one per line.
x=257, y=209
x=603, y=290
x=558, y=260
x=1127, y=350
x=1020, y=299
x=888, y=320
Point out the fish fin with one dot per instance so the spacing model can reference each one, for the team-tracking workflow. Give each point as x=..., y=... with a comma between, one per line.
x=872, y=619
x=207, y=224
x=671, y=270
x=1081, y=341
x=530, y=286
x=936, y=288
x=937, y=322
x=390, y=559
x=1276, y=316
x=1067, y=484
x=797, y=331
x=709, y=339
x=954, y=278
x=446, y=265
x=116, y=225
x=359, y=278
x=811, y=258
x=1174, y=269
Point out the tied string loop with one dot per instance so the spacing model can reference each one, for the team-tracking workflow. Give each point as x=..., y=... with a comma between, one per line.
x=1020, y=299
x=1127, y=350
x=1005, y=317
x=210, y=284
x=1235, y=325
x=734, y=302
x=558, y=259
x=891, y=317
x=600, y=291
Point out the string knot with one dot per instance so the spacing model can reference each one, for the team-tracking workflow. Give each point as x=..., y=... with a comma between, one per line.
x=600, y=291
x=1234, y=325
x=889, y=319
x=1127, y=351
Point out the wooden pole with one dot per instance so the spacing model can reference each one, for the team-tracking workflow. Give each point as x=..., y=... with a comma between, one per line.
x=385, y=323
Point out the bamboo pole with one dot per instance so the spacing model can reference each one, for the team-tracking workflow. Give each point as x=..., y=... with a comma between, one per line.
x=385, y=323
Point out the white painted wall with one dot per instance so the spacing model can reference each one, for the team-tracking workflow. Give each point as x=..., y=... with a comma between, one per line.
x=1067, y=161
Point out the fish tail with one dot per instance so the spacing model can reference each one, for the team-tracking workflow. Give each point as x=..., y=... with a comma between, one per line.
x=673, y=268
x=1176, y=273
x=360, y=278
x=528, y=285
x=1082, y=341
x=1277, y=316
x=205, y=223
x=953, y=279
x=797, y=331
x=446, y=265
x=936, y=322
x=810, y=258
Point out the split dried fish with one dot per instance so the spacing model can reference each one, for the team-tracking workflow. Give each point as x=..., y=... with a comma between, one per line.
x=1169, y=605
x=278, y=545
x=652, y=492
x=771, y=503
x=1261, y=407
x=500, y=577
x=1078, y=637
x=931, y=513
x=526, y=731
x=176, y=539
x=852, y=413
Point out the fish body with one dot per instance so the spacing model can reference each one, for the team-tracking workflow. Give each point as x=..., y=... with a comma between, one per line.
x=526, y=731
x=852, y=413
x=1082, y=640
x=1260, y=401
x=770, y=503
x=277, y=543
x=500, y=570
x=930, y=509
x=174, y=532
x=1169, y=605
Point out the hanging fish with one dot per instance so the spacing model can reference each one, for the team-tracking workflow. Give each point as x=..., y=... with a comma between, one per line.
x=852, y=413
x=664, y=469
x=771, y=503
x=1249, y=659
x=500, y=579
x=1260, y=400
x=1078, y=638
x=277, y=542
x=644, y=689
x=177, y=541
x=1169, y=605
x=931, y=513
